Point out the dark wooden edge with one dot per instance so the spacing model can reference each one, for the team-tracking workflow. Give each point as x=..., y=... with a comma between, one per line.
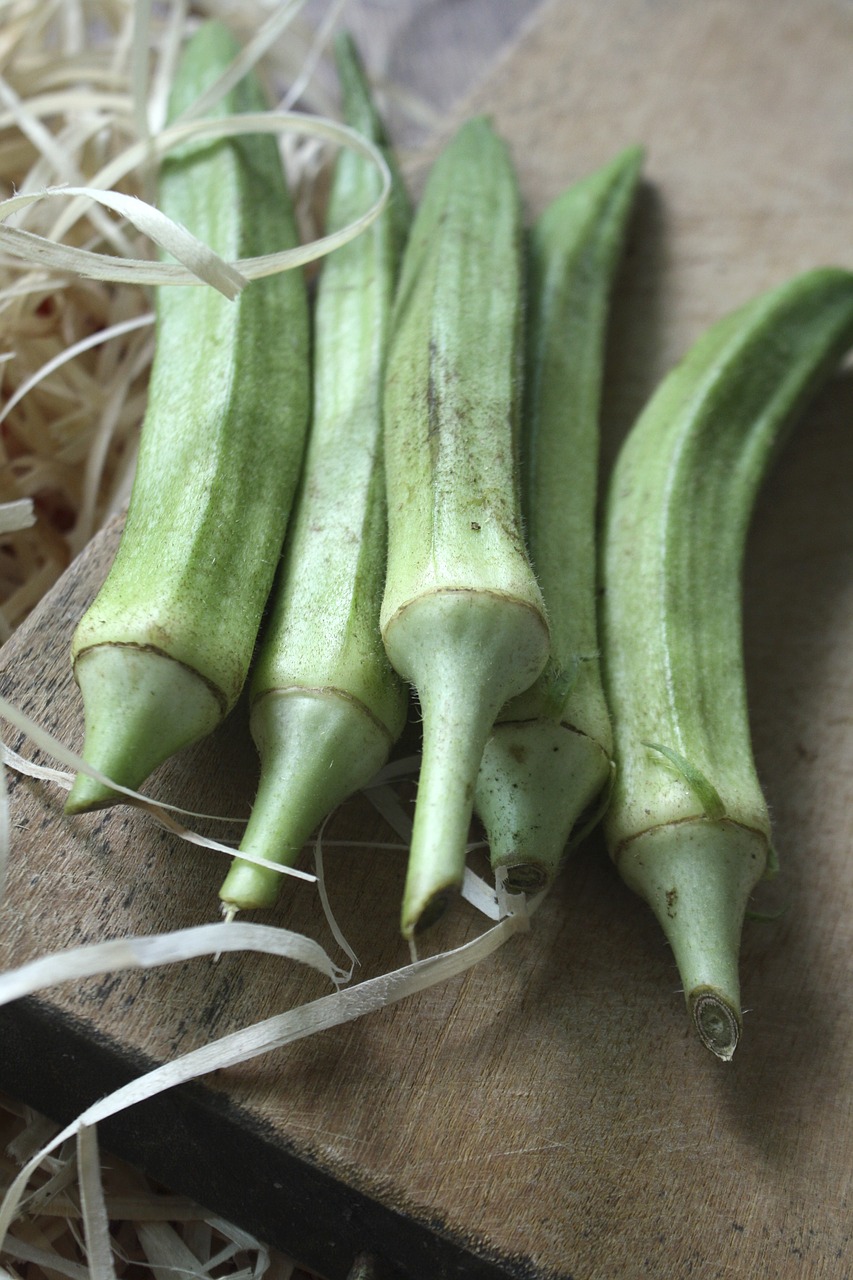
x=197, y=1143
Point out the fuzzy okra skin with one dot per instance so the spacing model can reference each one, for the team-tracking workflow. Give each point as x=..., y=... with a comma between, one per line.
x=688, y=826
x=162, y=653
x=326, y=704
x=548, y=757
x=462, y=616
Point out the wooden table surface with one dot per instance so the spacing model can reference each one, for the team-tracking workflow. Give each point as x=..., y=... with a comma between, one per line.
x=549, y=1114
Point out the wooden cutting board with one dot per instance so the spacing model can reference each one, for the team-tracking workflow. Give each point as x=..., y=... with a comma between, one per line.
x=550, y=1113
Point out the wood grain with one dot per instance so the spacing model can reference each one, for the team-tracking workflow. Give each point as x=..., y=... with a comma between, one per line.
x=549, y=1114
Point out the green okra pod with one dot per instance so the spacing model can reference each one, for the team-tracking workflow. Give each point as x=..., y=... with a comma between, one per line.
x=462, y=616
x=326, y=705
x=688, y=826
x=162, y=653
x=548, y=757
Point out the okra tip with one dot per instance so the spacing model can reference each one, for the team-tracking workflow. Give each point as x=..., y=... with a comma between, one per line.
x=317, y=747
x=140, y=707
x=466, y=652
x=536, y=779
x=697, y=876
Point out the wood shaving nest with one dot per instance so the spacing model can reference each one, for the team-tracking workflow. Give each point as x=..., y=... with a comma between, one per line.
x=153, y=1232
x=67, y=107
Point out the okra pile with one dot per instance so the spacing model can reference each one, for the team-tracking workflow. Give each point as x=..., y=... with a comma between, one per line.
x=391, y=496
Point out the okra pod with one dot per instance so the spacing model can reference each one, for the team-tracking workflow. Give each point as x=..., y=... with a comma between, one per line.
x=462, y=616
x=162, y=653
x=548, y=757
x=688, y=826
x=326, y=705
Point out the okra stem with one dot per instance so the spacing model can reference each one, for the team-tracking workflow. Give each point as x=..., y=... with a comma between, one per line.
x=326, y=705
x=549, y=754
x=688, y=826
x=462, y=616
x=462, y=648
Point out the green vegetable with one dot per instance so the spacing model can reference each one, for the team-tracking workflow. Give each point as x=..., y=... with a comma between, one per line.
x=549, y=755
x=162, y=653
x=326, y=706
x=688, y=826
x=462, y=617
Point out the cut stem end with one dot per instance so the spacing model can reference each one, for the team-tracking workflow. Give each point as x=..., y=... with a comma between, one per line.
x=432, y=912
x=524, y=877
x=717, y=1024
